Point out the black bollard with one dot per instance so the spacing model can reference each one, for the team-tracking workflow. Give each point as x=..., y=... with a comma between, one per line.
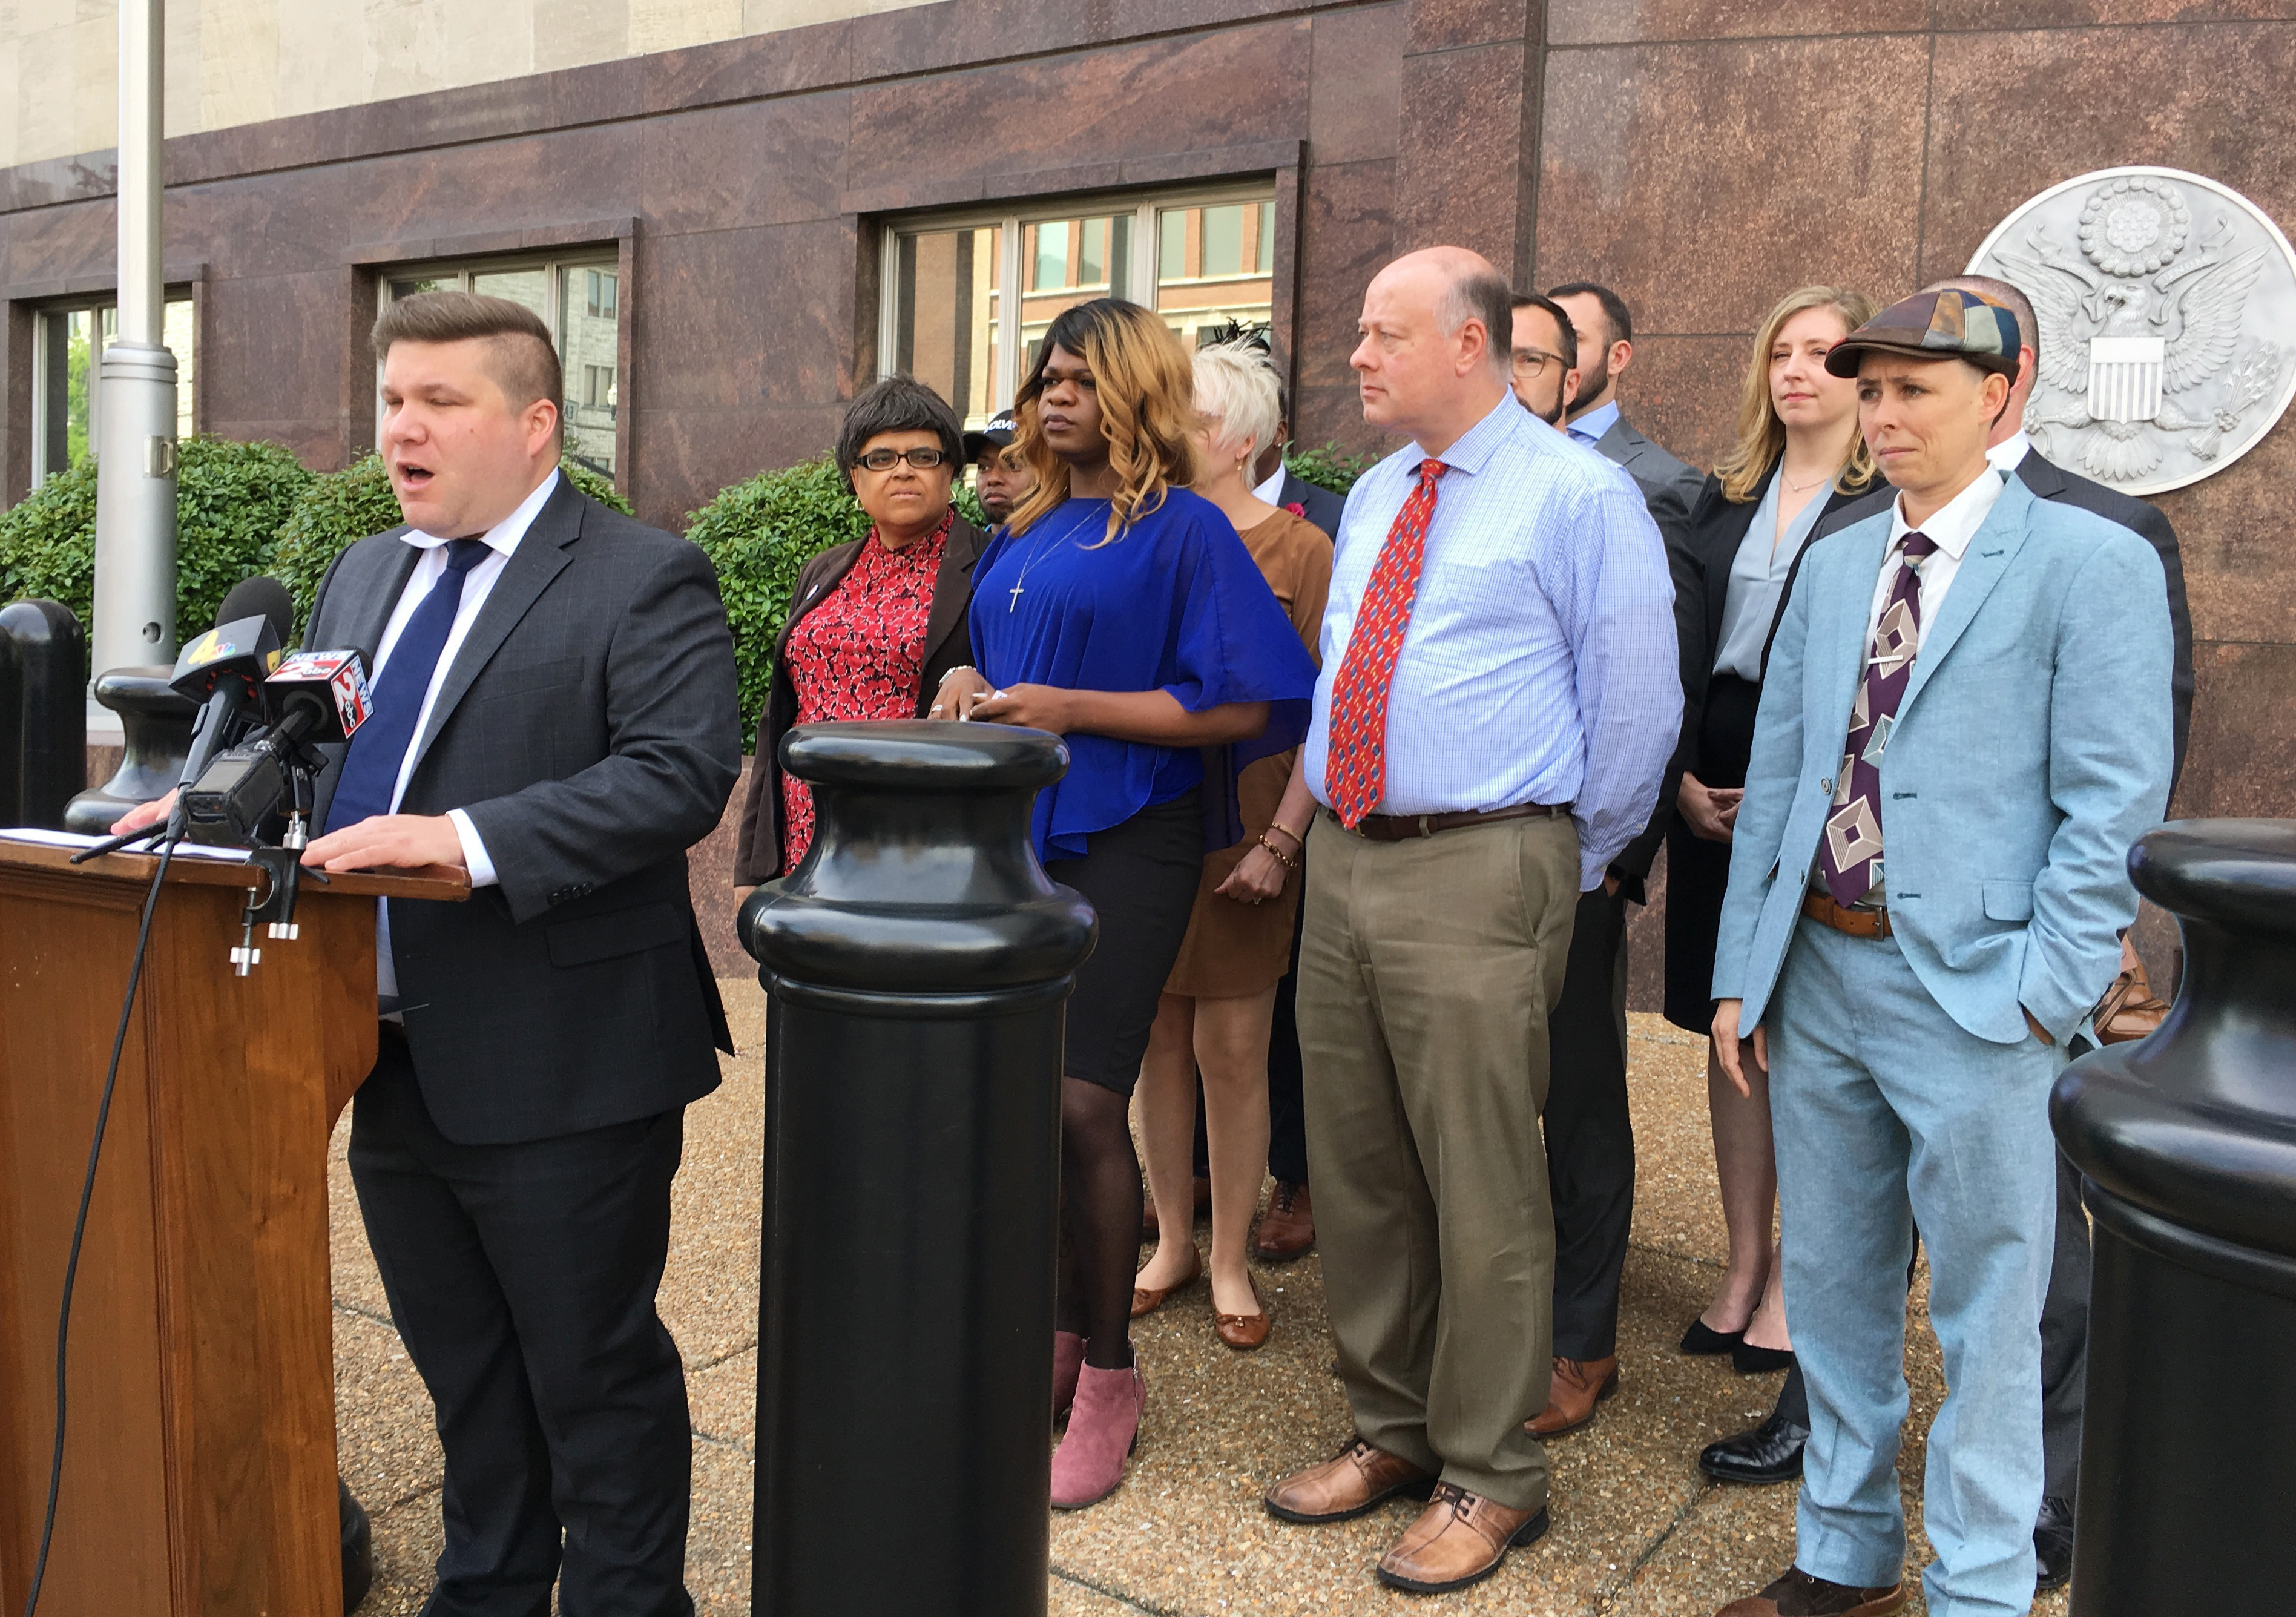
x=917, y=963
x=43, y=712
x=2187, y=1142
x=155, y=722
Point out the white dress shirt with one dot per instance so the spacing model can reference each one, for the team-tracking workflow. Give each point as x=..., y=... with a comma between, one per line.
x=2010, y=453
x=478, y=584
x=1268, y=491
x=1538, y=665
x=1950, y=528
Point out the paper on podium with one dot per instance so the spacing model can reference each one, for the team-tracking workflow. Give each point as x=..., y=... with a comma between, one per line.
x=74, y=838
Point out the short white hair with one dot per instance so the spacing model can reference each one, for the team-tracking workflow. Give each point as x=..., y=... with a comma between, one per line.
x=1236, y=387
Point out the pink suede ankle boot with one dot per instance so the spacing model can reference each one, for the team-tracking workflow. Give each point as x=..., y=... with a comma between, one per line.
x=1103, y=1428
x=1068, y=1359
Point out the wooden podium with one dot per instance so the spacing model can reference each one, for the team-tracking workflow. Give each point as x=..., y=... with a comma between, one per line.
x=199, y=1462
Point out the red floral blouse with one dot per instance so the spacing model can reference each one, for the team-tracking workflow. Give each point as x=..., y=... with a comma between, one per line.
x=859, y=654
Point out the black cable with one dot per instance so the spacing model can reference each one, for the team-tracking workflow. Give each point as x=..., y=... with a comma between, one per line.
x=79, y=1225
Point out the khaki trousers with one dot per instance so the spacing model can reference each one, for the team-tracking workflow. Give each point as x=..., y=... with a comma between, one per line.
x=1427, y=971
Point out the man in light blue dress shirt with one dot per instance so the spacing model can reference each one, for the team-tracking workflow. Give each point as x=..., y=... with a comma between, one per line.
x=1528, y=709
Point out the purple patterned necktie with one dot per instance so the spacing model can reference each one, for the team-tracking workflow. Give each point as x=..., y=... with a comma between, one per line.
x=1851, y=858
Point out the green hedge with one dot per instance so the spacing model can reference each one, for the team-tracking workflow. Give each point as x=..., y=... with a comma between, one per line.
x=757, y=534
x=339, y=508
x=230, y=499
x=1330, y=467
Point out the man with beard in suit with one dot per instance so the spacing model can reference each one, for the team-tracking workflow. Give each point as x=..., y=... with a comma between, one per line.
x=1606, y=347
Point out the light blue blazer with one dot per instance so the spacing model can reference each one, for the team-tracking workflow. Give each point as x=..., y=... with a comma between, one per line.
x=2032, y=750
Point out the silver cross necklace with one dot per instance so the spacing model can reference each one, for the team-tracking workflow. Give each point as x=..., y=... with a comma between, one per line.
x=1037, y=555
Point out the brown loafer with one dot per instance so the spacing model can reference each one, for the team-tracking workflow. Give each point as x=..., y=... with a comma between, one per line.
x=1148, y=1299
x=1460, y=1539
x=1579, y=1385
x=1800, y=1594
x=1358, y=1480
x=1244, y=1332
x=1289, y=1230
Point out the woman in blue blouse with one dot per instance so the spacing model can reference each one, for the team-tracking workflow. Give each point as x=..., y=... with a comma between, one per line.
x=1121, y=611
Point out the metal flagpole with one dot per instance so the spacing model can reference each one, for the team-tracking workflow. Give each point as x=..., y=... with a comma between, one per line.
x=136, y=442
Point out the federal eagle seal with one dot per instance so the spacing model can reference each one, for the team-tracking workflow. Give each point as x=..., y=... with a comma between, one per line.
x=2167, y=308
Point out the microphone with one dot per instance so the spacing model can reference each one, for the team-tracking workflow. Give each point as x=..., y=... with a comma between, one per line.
x=314, y=697
x=222, y=668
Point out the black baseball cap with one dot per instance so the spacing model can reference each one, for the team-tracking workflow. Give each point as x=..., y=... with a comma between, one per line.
x=998, y=431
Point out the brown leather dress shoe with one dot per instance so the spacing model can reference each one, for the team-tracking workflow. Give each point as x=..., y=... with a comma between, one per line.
x=1800, y=1594
x=1245, y=1332
x=1289, y=1230
x=1460, y=1539
x=1356, y=1481
x=1579, y=1385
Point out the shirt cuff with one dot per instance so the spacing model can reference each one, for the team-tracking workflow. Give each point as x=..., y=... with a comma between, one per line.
x=474, y=852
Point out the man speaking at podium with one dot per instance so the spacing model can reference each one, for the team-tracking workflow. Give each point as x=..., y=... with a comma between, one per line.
x=554, y=713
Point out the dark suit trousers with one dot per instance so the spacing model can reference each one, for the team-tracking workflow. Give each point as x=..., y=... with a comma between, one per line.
x=2064, y=1345
x=1590, y=1138
x=521, y=1278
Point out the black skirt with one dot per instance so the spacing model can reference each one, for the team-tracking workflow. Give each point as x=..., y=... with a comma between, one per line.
x=1697, y=871
x=1140, y=877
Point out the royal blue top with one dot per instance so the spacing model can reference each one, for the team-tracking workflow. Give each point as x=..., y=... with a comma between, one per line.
x=1174, y=602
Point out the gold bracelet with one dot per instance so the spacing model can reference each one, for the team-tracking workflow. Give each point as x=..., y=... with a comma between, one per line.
x=1287, y=831
x=1282, y=857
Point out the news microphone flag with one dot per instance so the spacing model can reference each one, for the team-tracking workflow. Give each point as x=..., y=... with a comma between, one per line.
x=336, y=679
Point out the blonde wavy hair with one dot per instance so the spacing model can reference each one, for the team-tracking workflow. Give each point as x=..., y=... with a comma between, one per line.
x=1761, y=435
x=1147, y=390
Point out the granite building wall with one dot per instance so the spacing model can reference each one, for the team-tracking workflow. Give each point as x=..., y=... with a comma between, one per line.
x=1701, y=156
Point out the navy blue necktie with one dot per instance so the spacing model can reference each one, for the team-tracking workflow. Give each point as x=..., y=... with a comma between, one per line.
x=379, y=746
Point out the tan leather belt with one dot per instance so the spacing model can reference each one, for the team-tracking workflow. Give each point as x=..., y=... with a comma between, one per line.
x=1858, y=923
x=1404, y=827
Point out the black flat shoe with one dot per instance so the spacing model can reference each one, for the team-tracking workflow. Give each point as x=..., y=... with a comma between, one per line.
x=2052, y=1543
x=1770, y=1453
x=1748, y=1360
x=1701, y=1340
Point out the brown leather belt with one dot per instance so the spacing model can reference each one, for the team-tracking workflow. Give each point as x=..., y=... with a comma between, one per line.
x=1858, y=923
x=1404, y=827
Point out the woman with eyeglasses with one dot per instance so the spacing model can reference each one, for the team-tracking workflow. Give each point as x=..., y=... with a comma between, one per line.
x=874, y=624
x=1120, y=611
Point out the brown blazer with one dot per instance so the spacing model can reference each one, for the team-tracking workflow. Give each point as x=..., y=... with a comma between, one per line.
x=948, y=644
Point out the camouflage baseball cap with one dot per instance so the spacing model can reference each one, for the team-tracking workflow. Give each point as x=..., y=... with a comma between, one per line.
x=1948, y=324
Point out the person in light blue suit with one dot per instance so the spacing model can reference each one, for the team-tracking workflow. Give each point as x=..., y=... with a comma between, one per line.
x=1965, y=726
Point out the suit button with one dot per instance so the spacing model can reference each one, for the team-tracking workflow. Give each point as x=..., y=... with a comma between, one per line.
x=1826, y=785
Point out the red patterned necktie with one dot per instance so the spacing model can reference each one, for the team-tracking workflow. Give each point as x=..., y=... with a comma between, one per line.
x=1355, y=764
x=1850, y=861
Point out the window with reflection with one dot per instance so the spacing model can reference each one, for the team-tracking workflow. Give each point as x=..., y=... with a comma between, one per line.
x=946, y=332
x=581, y=300
x=967, y=301
x=68, y=344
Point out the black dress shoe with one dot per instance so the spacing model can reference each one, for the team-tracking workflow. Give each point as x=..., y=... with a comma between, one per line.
x=2052, y=1543
x=1701, y=1339
x=358, y=1548
x=1747, y=1359
x=1770, y=1453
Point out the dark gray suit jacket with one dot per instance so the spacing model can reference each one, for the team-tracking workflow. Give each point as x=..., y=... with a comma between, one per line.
x=2050, y=482
x=590, y=728
x=1670, y=491
x=1669, y=488
x=1324, y=508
